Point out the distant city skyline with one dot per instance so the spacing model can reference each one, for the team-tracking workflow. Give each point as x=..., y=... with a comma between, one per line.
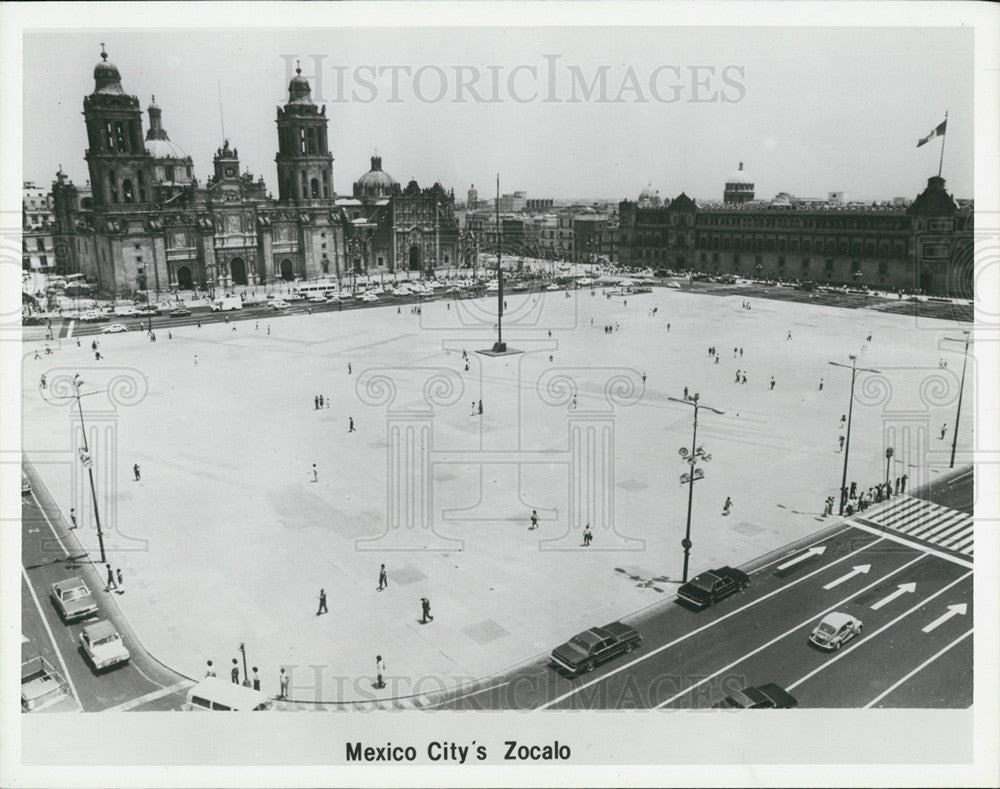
x=560, y=114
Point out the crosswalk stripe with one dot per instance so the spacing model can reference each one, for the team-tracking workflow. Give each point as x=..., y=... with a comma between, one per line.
x=960, y=535
x=939, y=524
x=916, y=510
x=926, y=521
x=946, y=529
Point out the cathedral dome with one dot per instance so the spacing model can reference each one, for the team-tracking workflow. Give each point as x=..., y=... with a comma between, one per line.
x=648, y=193
x=298, y=89
x=741, y=176
x=376, y=182
x=106, y=76
x=164, y=149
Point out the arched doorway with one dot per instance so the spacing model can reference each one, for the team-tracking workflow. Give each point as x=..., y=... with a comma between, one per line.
x=238, y=269
x=416, y=258
x=184, y=278
x=286, y=270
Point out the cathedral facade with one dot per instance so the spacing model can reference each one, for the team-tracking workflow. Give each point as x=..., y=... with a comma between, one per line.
x=150, y=225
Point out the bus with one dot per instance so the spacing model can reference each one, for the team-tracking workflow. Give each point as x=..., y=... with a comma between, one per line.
x=309, y=289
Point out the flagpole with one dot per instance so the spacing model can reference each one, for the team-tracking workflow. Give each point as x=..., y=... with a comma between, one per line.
x=943, y=136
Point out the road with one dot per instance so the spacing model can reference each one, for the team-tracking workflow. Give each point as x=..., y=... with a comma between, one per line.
x=50, y=553
x=914, y=599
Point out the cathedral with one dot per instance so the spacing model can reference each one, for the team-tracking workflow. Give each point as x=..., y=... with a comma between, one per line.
x=148, y=224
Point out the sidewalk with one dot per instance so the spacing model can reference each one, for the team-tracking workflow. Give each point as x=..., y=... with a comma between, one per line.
x=226, y=540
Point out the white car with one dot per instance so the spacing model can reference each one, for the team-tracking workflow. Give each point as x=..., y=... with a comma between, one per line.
x=834, y=630
x=280, y=304
x=553, y=286
x=103, y=645
x=114, y=328
x=370, y=297
x=675, y=285
x=318, y=299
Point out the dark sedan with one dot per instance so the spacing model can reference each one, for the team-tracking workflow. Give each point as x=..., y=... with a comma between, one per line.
x=710, y=587
x=585, y=650
x=761, y=697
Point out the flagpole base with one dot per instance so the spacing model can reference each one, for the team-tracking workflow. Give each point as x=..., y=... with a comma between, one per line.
x=499, y=349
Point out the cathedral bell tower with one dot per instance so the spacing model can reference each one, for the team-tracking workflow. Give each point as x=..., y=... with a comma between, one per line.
x=305, y=164
x=120, y=166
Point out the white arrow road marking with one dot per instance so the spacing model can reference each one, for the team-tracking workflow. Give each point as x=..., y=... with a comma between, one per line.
x=864, y=640
x=918, y=669
x=24, y=639
x=900, y=590
x=817, y=551
x=953, y=610
x=857, y=570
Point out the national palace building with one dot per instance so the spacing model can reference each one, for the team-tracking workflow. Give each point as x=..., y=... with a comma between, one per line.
x=923, y=245
x=148, y=223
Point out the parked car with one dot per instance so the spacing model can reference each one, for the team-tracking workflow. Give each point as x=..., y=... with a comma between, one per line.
x=553, y=286
x=834, y=630
x=73, y=599
x=103, y=646
x=43, y=689
x=585, y=650
x=147, y=309
x=93, y=316
x=25, y=483
x=180, y=312
x=761, y=697
x=319, y=298
x=213, y=694
x=710, y=587
x=114, y=328
x=280, y=304
x=674, y=284
x=726, y=279
x=126, y=311
x=369, y=297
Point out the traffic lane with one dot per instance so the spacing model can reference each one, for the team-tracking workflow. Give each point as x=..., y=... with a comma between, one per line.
x=746, y=623
x=944, y=682
x=45, y=563
x=954, y=491
x=539, y=682
x=789, y=659
x=882, y=659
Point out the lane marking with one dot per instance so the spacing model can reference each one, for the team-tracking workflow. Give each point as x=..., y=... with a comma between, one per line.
x=708, y=625
x=870, y=636
x=52, y=528
x=817, y=551
x=783, y=558
x=52, y=638
x=916, y=546
x=858, y=570
x=918, y=669
x=953, y=610
x=788, y=632
x=151, y=696
x=900, y=590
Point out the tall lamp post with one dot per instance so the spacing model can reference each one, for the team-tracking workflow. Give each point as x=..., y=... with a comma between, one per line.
x=88, y=461
x=243, y=650
x=850, y=412
x=961, y=387
x=889, y=452
x=691, y=457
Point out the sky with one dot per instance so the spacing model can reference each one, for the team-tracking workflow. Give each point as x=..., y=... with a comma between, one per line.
x=807, y=110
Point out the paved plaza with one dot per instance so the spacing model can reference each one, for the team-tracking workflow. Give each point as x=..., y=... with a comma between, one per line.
x=227, y=538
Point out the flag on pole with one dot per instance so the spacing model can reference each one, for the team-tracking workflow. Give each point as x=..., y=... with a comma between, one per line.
x=938, y=132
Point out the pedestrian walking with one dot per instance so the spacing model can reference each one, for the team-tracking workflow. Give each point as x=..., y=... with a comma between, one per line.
x=255, y=679
x=327, y=402
x=574, y=402
x=282, y=685
x=480, y=407
x=737, y=376
x=854, y=490
x=668, y=327
x=118, y=575
x=42, y=382
x=321, y=401
x=741, y=351
x=897, y=486
x=269, y=330
x=170, y=334
x=789, y=335
x=821, y=384
x=350, y=424
x=944, y=429
x=841, y=440
x=772, y=383
x=209, y=672
x=135, y=472
x=97, y=356
x=111, y=579
x=728, y=506
x=587, y=536
x=234, y=672
x=315, y=474
x=843, y=418
x=322, y=602
x=644, y=376
x=315, y=402
x=379, y=671
x=93, y=345
x=36, y=355
x=902, y=488
x=383, y=578
x=196, y=360
x=534, y=520
x=72, y=516
x=744, y=379
x=348, y=368
x=685, y=393
x=425, y=607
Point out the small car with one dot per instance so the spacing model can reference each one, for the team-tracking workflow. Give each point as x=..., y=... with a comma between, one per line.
x=370, y=297
x=553, y=286
x=147, y=309
x=93, y=317
x=674, y=285
x=710, y=587
x=317, y=299
x=25, y=483
x=114, y=328
x=585, y=650
x=180, y=312
x=43, y=689
x=834, y=630
x=521, y=286
x=761, y=697
x=73, y=599
x=280, y=304
x=102, y=645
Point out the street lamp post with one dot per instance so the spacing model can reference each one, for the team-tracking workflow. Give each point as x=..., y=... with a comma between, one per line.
x=243, y=651
x=961, y=387
x=89, y=462
x=850, y=412
x=691, y=457
x=888, y=459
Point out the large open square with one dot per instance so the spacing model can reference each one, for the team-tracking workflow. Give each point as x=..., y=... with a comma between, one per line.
x=228, y=537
